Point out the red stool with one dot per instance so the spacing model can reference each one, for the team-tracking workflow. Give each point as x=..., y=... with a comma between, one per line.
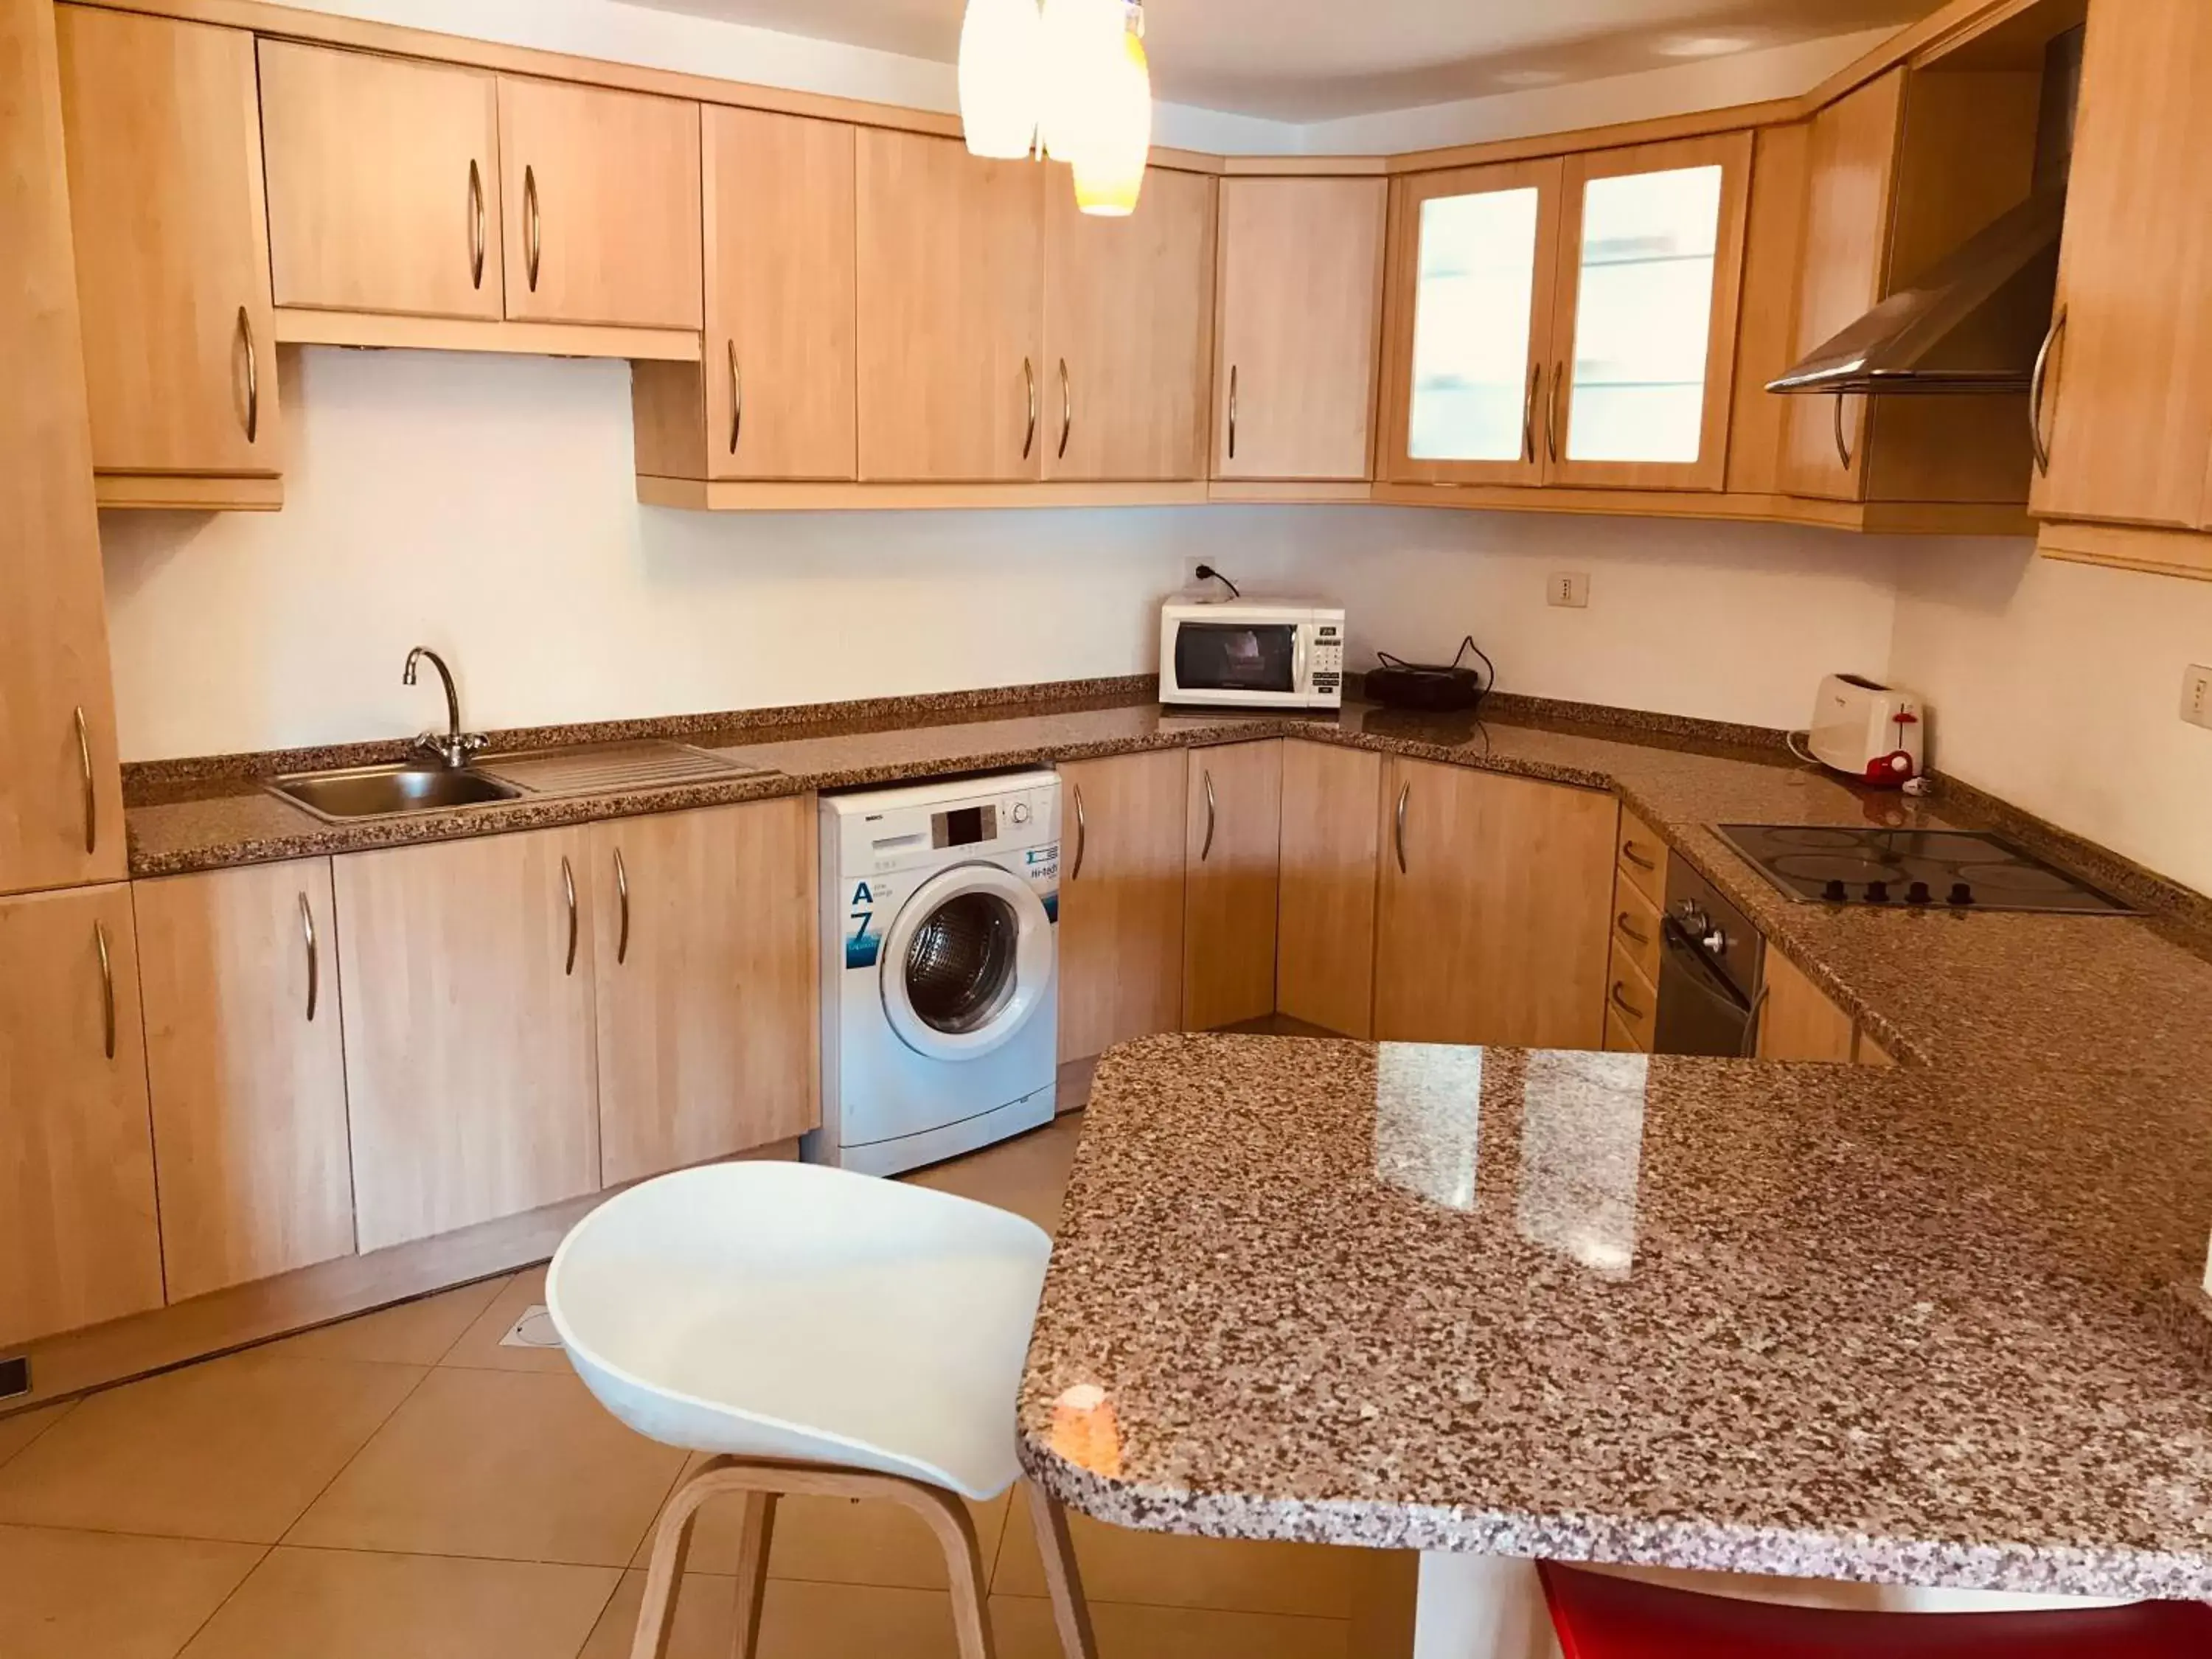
x=1598, y=1616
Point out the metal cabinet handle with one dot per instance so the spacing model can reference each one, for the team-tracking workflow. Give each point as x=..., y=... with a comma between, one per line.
x=1029, y=380
x=1528, y=413
x=1551, y=413
x=1628, y=932
x=1404, y=791
x=478, y=240
x=1232, y=411
x=568, y=887
x=1628, y=851
x=1619, y=997
x=106, y=990
x=91, y=794
x=1206, y=850
x=314, y=956
x=737, y=397
x=622, y=896
x=2036, y=383
x=530, y=246
x=1082, y=831
x=1843, y=445
x=1748, y=1048
x=1066, y=409
x=253, y=377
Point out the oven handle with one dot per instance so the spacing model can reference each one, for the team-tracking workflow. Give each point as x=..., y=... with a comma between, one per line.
x=1300, y=689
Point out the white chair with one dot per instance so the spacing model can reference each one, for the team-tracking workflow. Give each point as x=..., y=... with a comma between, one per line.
x=822, y=1333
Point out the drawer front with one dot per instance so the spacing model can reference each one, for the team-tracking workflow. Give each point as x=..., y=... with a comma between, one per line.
x=1636, y=927
x=1642, y=857
x=1630, y=1001
x=1619, y=1038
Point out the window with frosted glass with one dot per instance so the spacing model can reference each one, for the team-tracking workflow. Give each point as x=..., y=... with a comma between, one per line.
x=1471, y=321
x=1643, y=316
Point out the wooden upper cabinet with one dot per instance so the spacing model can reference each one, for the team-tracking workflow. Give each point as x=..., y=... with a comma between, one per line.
x=1298, y=327
x=1473, y=265
x=1231, y=871
x=952, y=281
x=78, y=1238
x=706, y=954
x=61, y=802
x=465, y=973
x=1122, y=830
x=1493, y=923
x=1128, y=333
x=600, y=206
x=1325, y=944
x=2128, y=404
x=246, y=1067
x=1643, y=331
x=164, y=138
x=383, y=182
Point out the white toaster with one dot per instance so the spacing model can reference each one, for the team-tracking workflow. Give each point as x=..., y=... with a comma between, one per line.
x=1875, y=733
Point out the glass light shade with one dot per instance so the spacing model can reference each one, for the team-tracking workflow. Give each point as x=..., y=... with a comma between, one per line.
x=1080, y=47
x=1000, y=76
x=1109, y=169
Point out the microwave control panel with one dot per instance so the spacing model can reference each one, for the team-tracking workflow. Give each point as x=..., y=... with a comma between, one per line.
x=1327, y=670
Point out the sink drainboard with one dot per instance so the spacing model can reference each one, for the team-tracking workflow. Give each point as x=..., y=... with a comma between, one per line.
x=611, y=767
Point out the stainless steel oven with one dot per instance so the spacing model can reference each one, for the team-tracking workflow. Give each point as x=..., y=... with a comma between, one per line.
x=1709, y=970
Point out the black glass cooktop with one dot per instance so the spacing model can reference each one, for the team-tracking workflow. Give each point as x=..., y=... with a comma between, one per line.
x=1910, y=869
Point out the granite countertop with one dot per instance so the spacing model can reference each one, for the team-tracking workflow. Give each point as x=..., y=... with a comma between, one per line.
x=1816, y=1321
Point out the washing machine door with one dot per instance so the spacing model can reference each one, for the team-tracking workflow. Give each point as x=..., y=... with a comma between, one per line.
x=967, y=962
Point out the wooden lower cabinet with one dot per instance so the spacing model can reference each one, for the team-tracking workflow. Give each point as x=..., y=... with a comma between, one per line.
x=1121, y=899
x=1233, y=812
x=245, y=1064
x=708, y=998
x=1797, y=1021
x=466, y=976
x=1325, y=927
x=1493, y=923
x=79, y=1242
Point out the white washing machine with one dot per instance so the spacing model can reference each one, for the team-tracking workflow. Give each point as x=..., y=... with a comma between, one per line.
x=940, y=910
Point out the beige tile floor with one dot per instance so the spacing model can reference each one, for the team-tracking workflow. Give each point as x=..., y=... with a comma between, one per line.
x=400, y=1486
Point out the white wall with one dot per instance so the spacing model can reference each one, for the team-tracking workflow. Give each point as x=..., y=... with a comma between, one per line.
x=2058, y=686
x=486, y=505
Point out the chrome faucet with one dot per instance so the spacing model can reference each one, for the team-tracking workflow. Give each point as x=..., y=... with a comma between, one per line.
x=456, y=745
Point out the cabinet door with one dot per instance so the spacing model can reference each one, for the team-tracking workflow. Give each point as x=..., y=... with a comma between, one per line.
x=709, y=1039
x=1796, y=1020
x=383, y=182
x=78, y=1238
x=1471, y=322
x=1231, y=852
x=1121, y=899
x=599, y=204
x=172, y=243
x=2128, y=404
x=246, y=1069
x=1643, y=354
x=1850, y=172
x=1493, y=923
x=1128, y=333
x=61, y=797
x=1325, y=949
x=1301, y=289
x=465, y=972
x=779, y=326
x=951, y=285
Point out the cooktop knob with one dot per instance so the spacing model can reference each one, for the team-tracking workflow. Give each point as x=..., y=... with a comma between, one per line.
x=1835, y=892
x=1716, y=943
x=1961, y=893
x=1694, y=920
x=1919, y=894
x=1877, y=892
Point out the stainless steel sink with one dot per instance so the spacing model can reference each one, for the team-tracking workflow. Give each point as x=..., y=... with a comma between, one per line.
x=381, y=792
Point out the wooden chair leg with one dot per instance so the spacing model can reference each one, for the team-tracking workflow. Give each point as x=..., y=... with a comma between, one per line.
x=753, y=1544
x=1071, y=1613
x=964, y=1562
x=671, y=1547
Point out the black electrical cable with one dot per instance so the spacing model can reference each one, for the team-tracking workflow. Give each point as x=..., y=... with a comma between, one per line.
x=1206, y=573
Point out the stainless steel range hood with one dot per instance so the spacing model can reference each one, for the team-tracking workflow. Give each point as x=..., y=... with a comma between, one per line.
x=1975, y=322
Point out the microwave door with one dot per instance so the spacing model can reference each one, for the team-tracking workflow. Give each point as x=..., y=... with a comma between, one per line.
x=1246, y=657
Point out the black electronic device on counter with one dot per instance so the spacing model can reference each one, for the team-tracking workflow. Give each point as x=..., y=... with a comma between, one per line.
x=1437, y=687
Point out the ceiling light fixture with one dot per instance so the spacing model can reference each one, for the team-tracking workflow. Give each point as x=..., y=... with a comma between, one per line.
x=1110, y=171
x=1000, y=49
x=1066, y=79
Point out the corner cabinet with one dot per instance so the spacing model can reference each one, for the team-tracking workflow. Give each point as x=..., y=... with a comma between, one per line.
x=1325, y=946
x=1232, y=864
x=1571, y=321
x=1122, y=828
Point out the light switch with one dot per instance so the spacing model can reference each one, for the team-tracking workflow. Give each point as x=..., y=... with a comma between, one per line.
x=1570, y=588
x=2197, y=696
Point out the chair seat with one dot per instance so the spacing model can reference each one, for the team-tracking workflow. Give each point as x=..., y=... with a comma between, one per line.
x=1600, y=1616
x=796, y=1314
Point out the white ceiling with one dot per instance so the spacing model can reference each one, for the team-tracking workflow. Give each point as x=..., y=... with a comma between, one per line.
x=1314, y=60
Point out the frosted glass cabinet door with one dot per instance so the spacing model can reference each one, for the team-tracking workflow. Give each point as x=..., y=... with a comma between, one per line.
x=1474, y=268
x=1651, y=267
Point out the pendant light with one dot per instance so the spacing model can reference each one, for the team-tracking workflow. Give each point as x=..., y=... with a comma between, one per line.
x=1080, y=43
x=1002, y=79
x=1109, y=169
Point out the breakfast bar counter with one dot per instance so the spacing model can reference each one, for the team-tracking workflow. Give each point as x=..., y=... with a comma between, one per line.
x=1820, y=1321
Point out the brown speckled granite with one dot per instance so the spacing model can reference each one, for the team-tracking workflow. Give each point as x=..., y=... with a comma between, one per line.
x=1813, y=1321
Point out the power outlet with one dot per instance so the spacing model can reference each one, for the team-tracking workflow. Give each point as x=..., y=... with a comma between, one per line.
x=1570, y=588
x=2197, y=696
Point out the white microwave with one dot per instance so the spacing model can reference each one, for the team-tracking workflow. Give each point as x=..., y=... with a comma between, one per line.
x=1251, y=653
